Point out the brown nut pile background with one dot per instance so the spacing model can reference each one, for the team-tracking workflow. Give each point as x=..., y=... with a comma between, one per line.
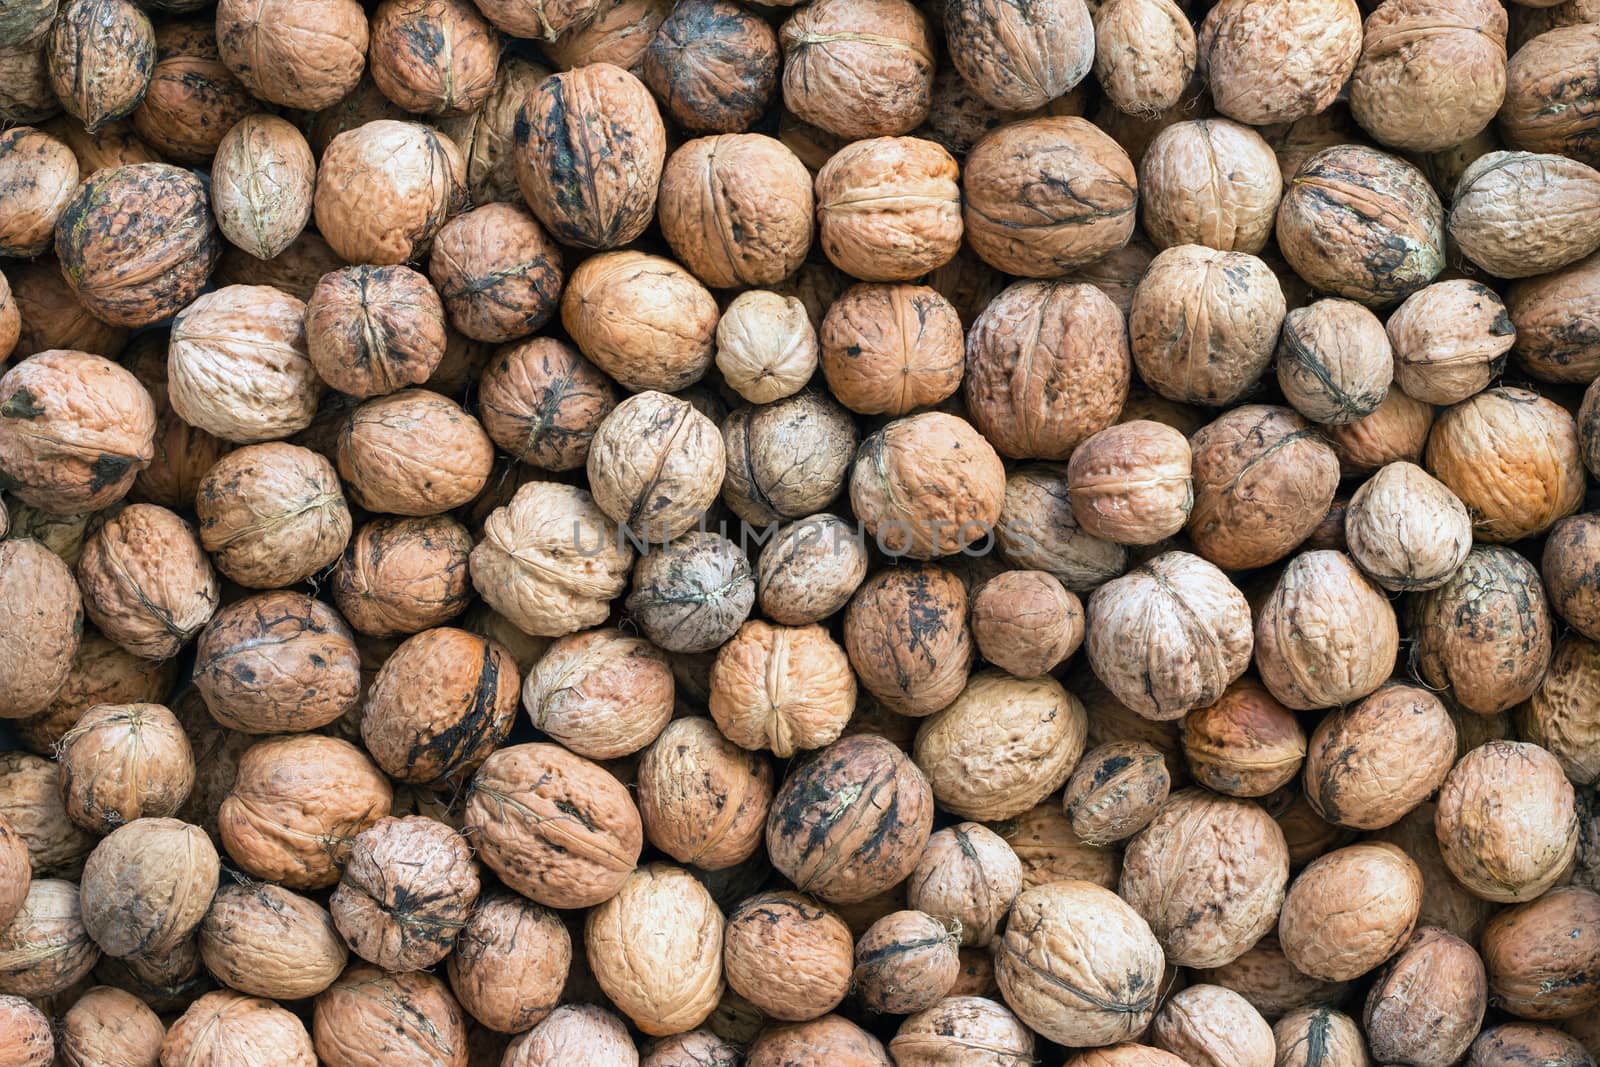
x=841, y=533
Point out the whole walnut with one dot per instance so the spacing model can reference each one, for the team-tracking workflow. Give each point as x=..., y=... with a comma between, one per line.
x=858, y=68
x=1513, y=1043
x=655, y=465
x=509, y=962
x=788, y=954
x=39, y=176
x=30, y=787
x=1567, y=568
x=1169, y=636
x=1278, y=61
x=541, y=402
x=1212, y=1026
x=1209, y=182
x=642, y=319
x=1362, y=224
x=1026, y=622
x=146, y=582
x=436, y=57
x=1406, y=530
x=766, y=346
x=385, y=188
x=1432, y=73
x=1204, y=323
x=555, y=827
x=101, y=54
x=29, y=95
x=1506, y=821
x=147, y=885
x=787, y=459
x=1450, y=341
x=1144, y=54
x=1016, y=59
x=1208, y=874
x=40, y=612
x=691, y=594
x=967, y=877
x=590, y=148
x=413, y=452
x=1279, y=992
x=297, y=803
x=266, y=941
x=300, y=55
x=574, y=1034
x=1357, y=634
x=781, y=688
x=1370, y=763
x=1396, y=430
x=497, y=271
x=1518, y=214
x=369, y=1017
x=906, y=962
x=272, y=515
x=809, y=569
x=227, y=1029
x=1559, y=715
x=1437, y=977
x=1335, y=363
x=75, y=430
x=1350, y=910
x=714, y=64
x=1114, y=792
x=690, y=771
x=927, y=485
x=109, y=1026
x=1078, y=965
x=1541, y=956
x=1044, y=196
x=1244, y=745
x=1317, y=1036
x=372, y=330
x=1130, y=483
x=1068, y=335
x=121, y=762
x=402, y=576
x=889, y=208
x=1002, y=746
x=44, y=948
x=888, y=349
x=601, y=693
x=852, y=821
x=831, y=1039
x=1550, y=90
x=405, y=893
x=619, y=32
x=1557, y=335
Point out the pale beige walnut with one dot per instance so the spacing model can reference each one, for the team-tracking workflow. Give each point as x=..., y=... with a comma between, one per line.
x=1144, y=54
x=112, y=1027
x=810, y=569
x=1560, y=715
x=1045, y=196
x=41, y=621
x=301, y=55
x=766, y=346
x=1212, y=1026
x=926, y=485
x=655, y=465
x=272, y=515
x=888, y=349
x=369, y=1018
x=644, y=320
x=121, y=762
x=413, y=452
x=906, y=962
x=1208, y=874
x=858, y=68
x=696, y=1048
x=1078, y=965
x=1439, y=978
x=1204, y=323
x=146, y=582
x=889, y=208
x=831, y=1039
x=1131, y=484
x=1002, y=746
x=44, y=948
x=1406, y=529
x=295, y=806
x=1335, y=362
x=601, y=693
x=1115, y=790
x=1506, y=821
x=554, y=826
x=38, y=176
x=1169, y=636
x=402, y=576
x=574, y=1034
x=1450, y=341
x=147, y=885
x=405, y=893
x=1370, y=763
x=1281, y=60
x=385, y=188
x=1551, y=85
x=262, y=181
x=1020, y=58
x=703, y=800
x=265, y=941
x=1557, y=327
x=789, y=955
x=1518, y=214
x=1207, y=182
x=967, y=877
x=1318, y=1036
x=907, y=637
x=781, y=688
x=30, y=787
x=1026, y=622
x=509, y=962
x=228, y=1029
x=1541, y=955
x=960, y=1029
x=736, y=209
x=1350, y=910
x=436, y=57
x=1326, y=635
x=1047, y=367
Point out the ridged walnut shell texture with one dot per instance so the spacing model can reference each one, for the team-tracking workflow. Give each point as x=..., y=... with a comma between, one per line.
x=703, y=799
x=907, y=637
x=266, y=941
x=413, y=453
x=1047, y=366
x=38, y=176
x=385, y=188
x=643, y=320
x=146, y=582
x=1045, y=196
x=1518, y=214
x=147, y=885
x=1369, y=764
x=369, y=1018
x=831, y=1039
x=277, y=662
x=137, y=243
x=436, y=57
x=692, y=594
x=101, y=56
x=967, y=875
x=75, y=430
x=1209, y=182
x=617, y=31
x=373, y=330
x=1560, y=716
x=1278, y=61
x=787, y=954
x=44, y=948
x=1406, y=530
x=109, y=1026
x=575, y=1033
x=1432, y=72
x=1208, y=874
x=1437, y=977
x=497, y=272
x=1323, y=593
x=510, y=962
x=263, y=178
x=889, y=349
x=787, y=459
x=1335, y=363
x=714, y=64
x=766, y=346
x=1396, y=430
x=1350, y=910
x=781, y=688
x=405, y=893
x=1506, y=822
x=486, y=136
x=1019, y=58
x=889, y=208
x=1567, y=570
x=272, y=515
x=852, y=821
x=602, y=693
x=1038, y=530
x=963, y=1028
x=926, y=485
x=1078, y=965
x=122, y=762
x=1115, y=790
x=1513, y=1043
x=541, y=402
x=223, y=1027
x=193, y=99
x=906, y=962
x=1131, y=483
x=1552, y=83
x=28, y=95
x=555, y=827
x=31, y=788
x=589, y=153
x=402, y=576
x=655, y=465
x=1557, y=324
x=1144, y=54
x=1450, y=341
x=1213, y=1026
x=1026, y=622
x=1002, y=746
x=297, y=54
x=858, y=68
x=1542, y=956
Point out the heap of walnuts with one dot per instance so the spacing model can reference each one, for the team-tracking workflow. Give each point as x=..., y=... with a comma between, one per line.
x=852, y=533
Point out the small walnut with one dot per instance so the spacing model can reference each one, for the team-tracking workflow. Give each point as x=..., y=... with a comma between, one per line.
x=1568, y=569
x=147, y=885
x=1026, y=622
x=967, y=877
x=692, y=771
x=1115, y=791
x=620, y=32
x=601, y=693
x=787, y=459
x=642, y=319
x=1244, y=745
x=1350, y=910
x=1020, y=59
x=497, y=271
x=1406, y=529
x=38, y=175
x=413, y=453
x=402, y=576
x=262, y=183
x=655, y=466
x=788, y=954
x=1450, y=341
x=1278, y=61
x=147, y=584
x=889, y=208
x=405, y=893
x=858, y=68
x=907, y=637
x=1506, y=821
x=714, y=64
x=766, y=347
x=889, y=349
x=272, y=515
x=1359, y=637
x=544, y=20
x=306, y=55
x=1396, y=431
x=1130, y=483
x=926, y=485
x=1335, y=362
x=1518, y=214
x=509, y=962
x=809, y=569
x=372, y=330
x=542, y=402
x=109, y=1026
x=691, y=594
x=1207, y=181
x=265, y=941
x=906, y=962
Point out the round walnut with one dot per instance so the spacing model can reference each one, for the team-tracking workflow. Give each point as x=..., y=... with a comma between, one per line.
x=959, y=1029
x=227, y=1029
x=574, y=1034
x=101, y=56
x=787, y=459
x=692, y=594
x=272, y=515
x=300, y=55
x=1208, y=874
x=1439, y=978
x=1077, y=965
x=1516, y=1043
x=703, y=799
x=1130, y=483
x=30, y=787
x=655, y=465
x=497, y=271
x=135, y=274
x=781, y=688
x=1212, y=1026
x=147, y=584
x=791, y=957
x=413, y=453
x=437, y=57
x=541, y=402
x=907, y=637
x=38, y=175
x=1335, y=362
x=810, y=569
x=406, y=891
x=852, y=821
x=927, y=485
x=372, y=330
x=1278, y=61
x=369, y=1017
x=41, y=621
x=277, y=662
x=1541, y=956
x=1450, y=341
x=109, y=1026
x=568, y=124
x=1506, y=821
x=619, y=32
x=1204, y=323
x=642, y=319
x=714, y=64
x=1324, y=592
x=831, y=1039
x=1485, y=634
x=766, y=347
x=1044, y=196
x=1476, y=440
x=1550, y=89
x=1208, y=182
x=1371, y=763
x=1244, y=745
x=509, y=962
x=556, y=828
x=1557, y=329
x=906, y=962
x=1396, y=430
x=1568, y=572
x=966, y=878
x=1115, y=791
x=1406, y=530
x=1047, y=367
x=28, y=95
x=265, y=941
x=601, y=693
x=1518, y=214
x=122, y=762
x=193, y=100
x=1002, y=746
x=147, y=885
x=889, y=349
x=858, y=68
x=1169, y=636
x=1025, y=622
x=889, y=208
x=44, y=948
x=1350, y=910
x=402, y=576
x=384, y=189
x=1019, y=60
x=296, y=805
x=75, y=430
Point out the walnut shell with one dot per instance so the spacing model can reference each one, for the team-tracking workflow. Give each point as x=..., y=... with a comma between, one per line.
x=405, y=893
x=124, y=761
x=967, y=877
x=1541, y=956
x=1144, y=54
x=372, y=330
x=1208, y=873
x=101, y=56
x=1518, y=214
x=714, y=64
x=692, y=771
x=413, y=452
x=1371, y=763
x=1567, y=568
x=831, y=1039
x=697, y=1048
x=781, y=688
x=791, y=956
x=1551, y=85
x=1044, y=196
x=146, y=582
x=1559, y=716
x=301, y=55
x=226, y=1029
x=296, y=805
x=1437, y=977
x=542, y=402
x=44, y=948
x=31, y=790
x=888, y=349
x=1557, y=335
x=889, y=208
x=1169, y=636
x=642, y=319
x=959, y=482
x=1320, y=1035
x=907, y=637
x=52, y=315
x=265, y=941
x=1335, y=362
x=1507, y=1045
x=1244, y=745
x=1278, y=61
x=655, y=465
x=1115, y=791
x=542, y=21
x=109, y=1026
x=193, y=99
x=1406, y=530
x=38, y=175
x=600, y=693
x=75, y=430
x=1038, y=530
x=402, y=576
x=1130, y=483
x=1016, y=59
x=858, y=68
x=509, y=962
x=147, y=885
x=385, y=188
x=182, y=453
x=1450, y=341
x=1350, y=910
x=1051, y=851
x=906, y=962
x=1506, y=821
x=1396, y=431
x=272, y=515
x=277, y=662
x=1025, y=622
x=766, y=346
x=620, y=33
x=1208, y=182
x=590, y=148
x=787, y=459
x=28, y=95
x=809, y=570
x=26, y=23
x=486, y=136
x=437, y=57
x=369, y=1018
x=1212, y=1026
x=692, y=594
x=1357, y=637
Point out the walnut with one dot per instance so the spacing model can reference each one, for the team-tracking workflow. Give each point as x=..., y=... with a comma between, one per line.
x=272, y=515
x=692, y=771
x=889, y=208
x=714, y=64
x=44, y=948
x=147, y=584
x=193, y=99
x=1244, y=745
x=691, y=594
x=302, y=55
x=958, y=479
x=31, y=789
x=39, y=176
x=1323, y=592
x=787, y=459
x=385, y=188
x=1550, y=88
x=1130, y=483
x=601, y=693
x=1144, y=54
x=1213, y=1026
x=121, y=762
x=101, y=55
x=642, y=319
x=655, y=466
x=1350, y=910
x=832, y=1039
x=1450, y=341
x=109, y=1025
x=265, y=941
x=1020, y=59
x=858, y=68
x=437, y=57
x=509, y=962
x=1506, y=821
x=781, y=688
x=906, y=962
x=369, y=1016
x=1508, y=211
x=766, y=346
x=1278, y=61
x=1557, y=334
x=373, y=330
x=889, y=349
x=1334, y=361
x=809, y=569
x=413, y=453
x=405, y=893
x=1026, y=622
x=1540, y=956
x=147, y=885
x=402, y=576
x=1208, y=182
x=1395, y=431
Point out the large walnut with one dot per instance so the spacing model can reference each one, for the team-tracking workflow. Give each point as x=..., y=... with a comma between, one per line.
x=1551, y=85
x=1541, y=956
x=907, y=636
x=642, y=319
x=889, y=208
x=262, y=185
x=1437, y=977
x=541, y=402
x=1210, y=182
x=147, y=584
x=101, y=56
x=413, y=453
x=1406, y=529
x=306, y=54
x=402, y=576
x=1026, y=622
x=509, y=962
x=1213, y=1026
x=384, y=189
x=926, y=485
x=1517, y=214
x=272, y=515
x=122, y=762
x=266, y=941
x=703, y=799
x=1131, y=483
x=655, y=466
x=405, y=893
x=437, y=57
x=889, y=349
x=602, y=693
x=497, y=271
x=1323, y=592
x=790, y=956
x=858, y=68
x=1281, y=60
x=1370, y=763
x=147, y=885
x=227, y=1028
x=1506, y=822
x=110, y=1026
x=1020, y=58
x=277, y=662
x=830, y=1039
x=781, y=688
